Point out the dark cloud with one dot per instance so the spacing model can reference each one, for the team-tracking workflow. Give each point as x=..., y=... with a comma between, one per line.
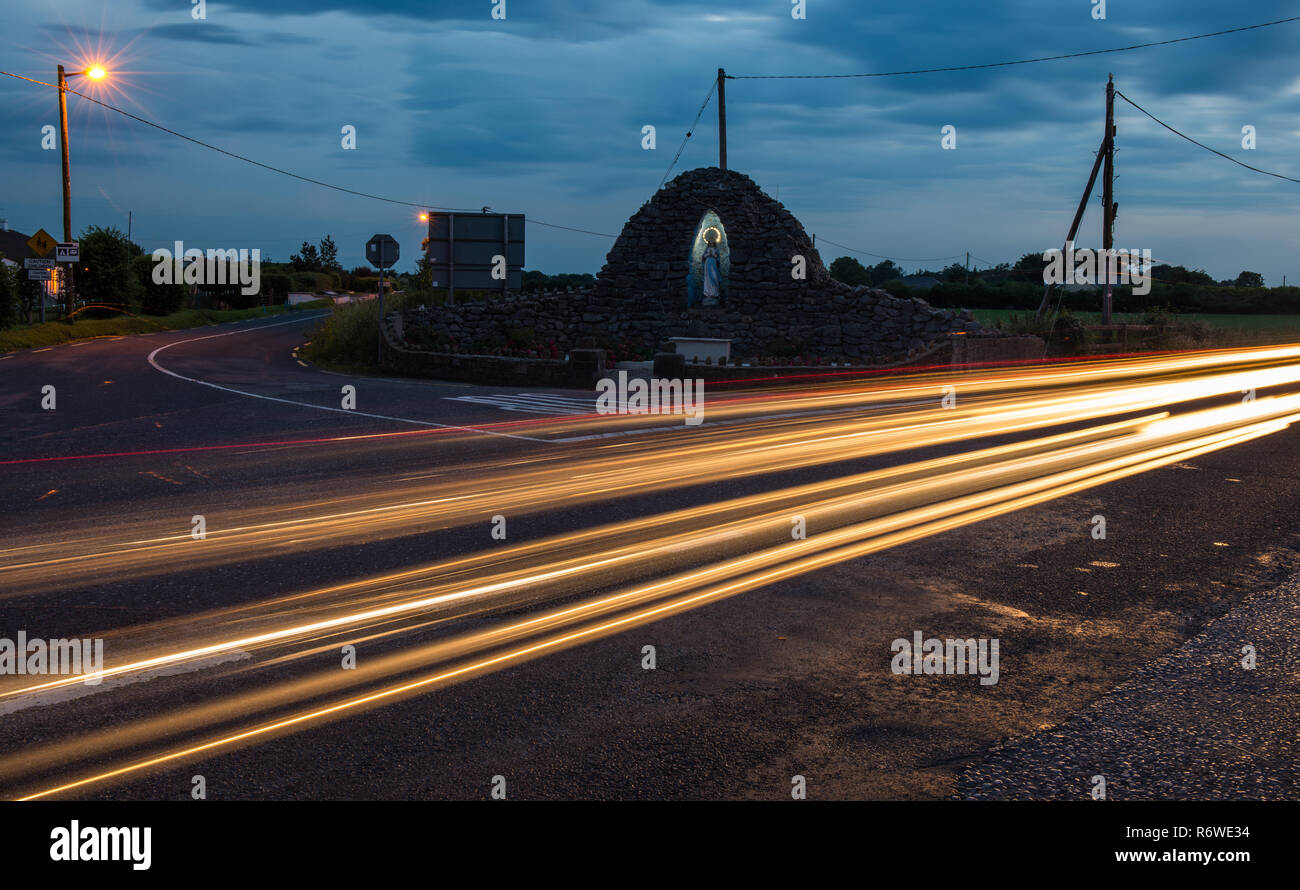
x=200, y=32
x=543, y=113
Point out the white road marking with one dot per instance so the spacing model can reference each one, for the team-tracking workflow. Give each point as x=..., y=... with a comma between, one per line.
x=446, y=426
x=533, y=403
x=60, y=694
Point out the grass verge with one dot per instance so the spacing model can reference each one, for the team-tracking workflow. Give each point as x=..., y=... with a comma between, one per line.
x=348, y=341
x=51, y=333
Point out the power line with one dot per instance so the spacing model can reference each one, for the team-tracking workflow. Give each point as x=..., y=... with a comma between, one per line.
x=1202, y=145
x=1095, y=52
x=698, y=115
x=879, y=256
x=282, y=171
x=538, y=222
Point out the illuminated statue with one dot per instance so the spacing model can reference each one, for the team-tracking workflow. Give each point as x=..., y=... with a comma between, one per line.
x=712, y=269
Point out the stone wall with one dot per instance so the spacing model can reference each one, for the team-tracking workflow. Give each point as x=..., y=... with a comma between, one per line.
x=858, y=325
x=640, y=296
x=402, y=358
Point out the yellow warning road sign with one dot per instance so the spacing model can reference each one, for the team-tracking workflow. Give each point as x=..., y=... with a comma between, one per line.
x=41, y=243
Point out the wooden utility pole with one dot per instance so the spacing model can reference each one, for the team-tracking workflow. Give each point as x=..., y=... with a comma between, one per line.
x=1108, y=197
x=722, y=119
x=1074, y=226
x=67, y=189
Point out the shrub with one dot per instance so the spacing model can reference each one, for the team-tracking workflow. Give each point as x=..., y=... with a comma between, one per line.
x=8, y=296
x=156, y=299
x=277, y=284
x=350, y=335
x=897, y=288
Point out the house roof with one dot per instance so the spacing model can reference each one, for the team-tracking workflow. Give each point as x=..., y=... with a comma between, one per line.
x=14, y=245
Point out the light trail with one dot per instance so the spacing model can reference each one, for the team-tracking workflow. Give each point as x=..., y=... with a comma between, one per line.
x=607, y=472
x=954, y=490
x=640, y=550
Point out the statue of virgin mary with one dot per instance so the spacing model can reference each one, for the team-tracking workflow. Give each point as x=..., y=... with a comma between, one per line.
x=712, y=271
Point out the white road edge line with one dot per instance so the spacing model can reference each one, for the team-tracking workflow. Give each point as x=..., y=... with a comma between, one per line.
x=61, y=694
x=447, y=426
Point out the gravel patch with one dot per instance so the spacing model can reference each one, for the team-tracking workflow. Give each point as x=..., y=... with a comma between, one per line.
x=1192, y=725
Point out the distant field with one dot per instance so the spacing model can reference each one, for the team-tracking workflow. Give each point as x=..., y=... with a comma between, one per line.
x=1269, y=323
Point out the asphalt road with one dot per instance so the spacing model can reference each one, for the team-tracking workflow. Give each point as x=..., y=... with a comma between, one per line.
x=792, y=679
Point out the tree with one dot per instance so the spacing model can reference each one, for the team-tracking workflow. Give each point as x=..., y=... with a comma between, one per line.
x=953, y=272
x=156, y=299
x=307, y=259
x=1180, y=275
x=329, y=255
x=885, y=271
x=422, y=282
x=1249, y=279
x=1030, y=266
x=849, y=271
x=104, y=273
x=8, y=295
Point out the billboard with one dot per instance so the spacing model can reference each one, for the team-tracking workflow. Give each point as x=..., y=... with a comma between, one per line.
x=462, y=250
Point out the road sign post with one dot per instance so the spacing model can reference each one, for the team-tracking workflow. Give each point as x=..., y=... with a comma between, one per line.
x=381, y=251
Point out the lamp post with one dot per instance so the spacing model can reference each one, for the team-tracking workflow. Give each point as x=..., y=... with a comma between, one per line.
x=94, y=72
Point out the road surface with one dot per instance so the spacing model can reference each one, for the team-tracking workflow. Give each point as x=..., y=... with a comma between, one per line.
x=373, y=527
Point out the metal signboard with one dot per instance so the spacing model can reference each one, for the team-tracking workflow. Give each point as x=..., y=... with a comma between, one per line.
x=33, y=263
x=68, y=251
x=39, y=274
x=463, y=250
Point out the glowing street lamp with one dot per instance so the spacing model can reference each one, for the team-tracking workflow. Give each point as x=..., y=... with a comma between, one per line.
x=94, y=72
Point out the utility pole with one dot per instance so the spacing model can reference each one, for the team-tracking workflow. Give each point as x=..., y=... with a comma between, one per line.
x=379, y=344
x=1074, y=226
x=67, y=187
x=968, y=268
x=722, y=119
x=1108, y=197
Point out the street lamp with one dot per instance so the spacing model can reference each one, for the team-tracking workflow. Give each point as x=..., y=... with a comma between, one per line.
x=94, y=72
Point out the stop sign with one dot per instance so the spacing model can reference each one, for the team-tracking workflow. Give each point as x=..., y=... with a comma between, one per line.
x=381, y=251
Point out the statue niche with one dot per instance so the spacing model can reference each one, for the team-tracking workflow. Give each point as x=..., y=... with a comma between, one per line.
x=710, y=263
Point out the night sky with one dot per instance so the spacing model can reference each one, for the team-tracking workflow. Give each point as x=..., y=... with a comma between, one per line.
x=542, y=114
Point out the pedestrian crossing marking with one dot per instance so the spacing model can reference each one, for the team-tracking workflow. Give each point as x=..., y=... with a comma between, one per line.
x=534, y=403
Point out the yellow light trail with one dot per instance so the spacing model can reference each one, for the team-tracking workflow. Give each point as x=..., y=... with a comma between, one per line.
x=1051, y=468
x=579, y=478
